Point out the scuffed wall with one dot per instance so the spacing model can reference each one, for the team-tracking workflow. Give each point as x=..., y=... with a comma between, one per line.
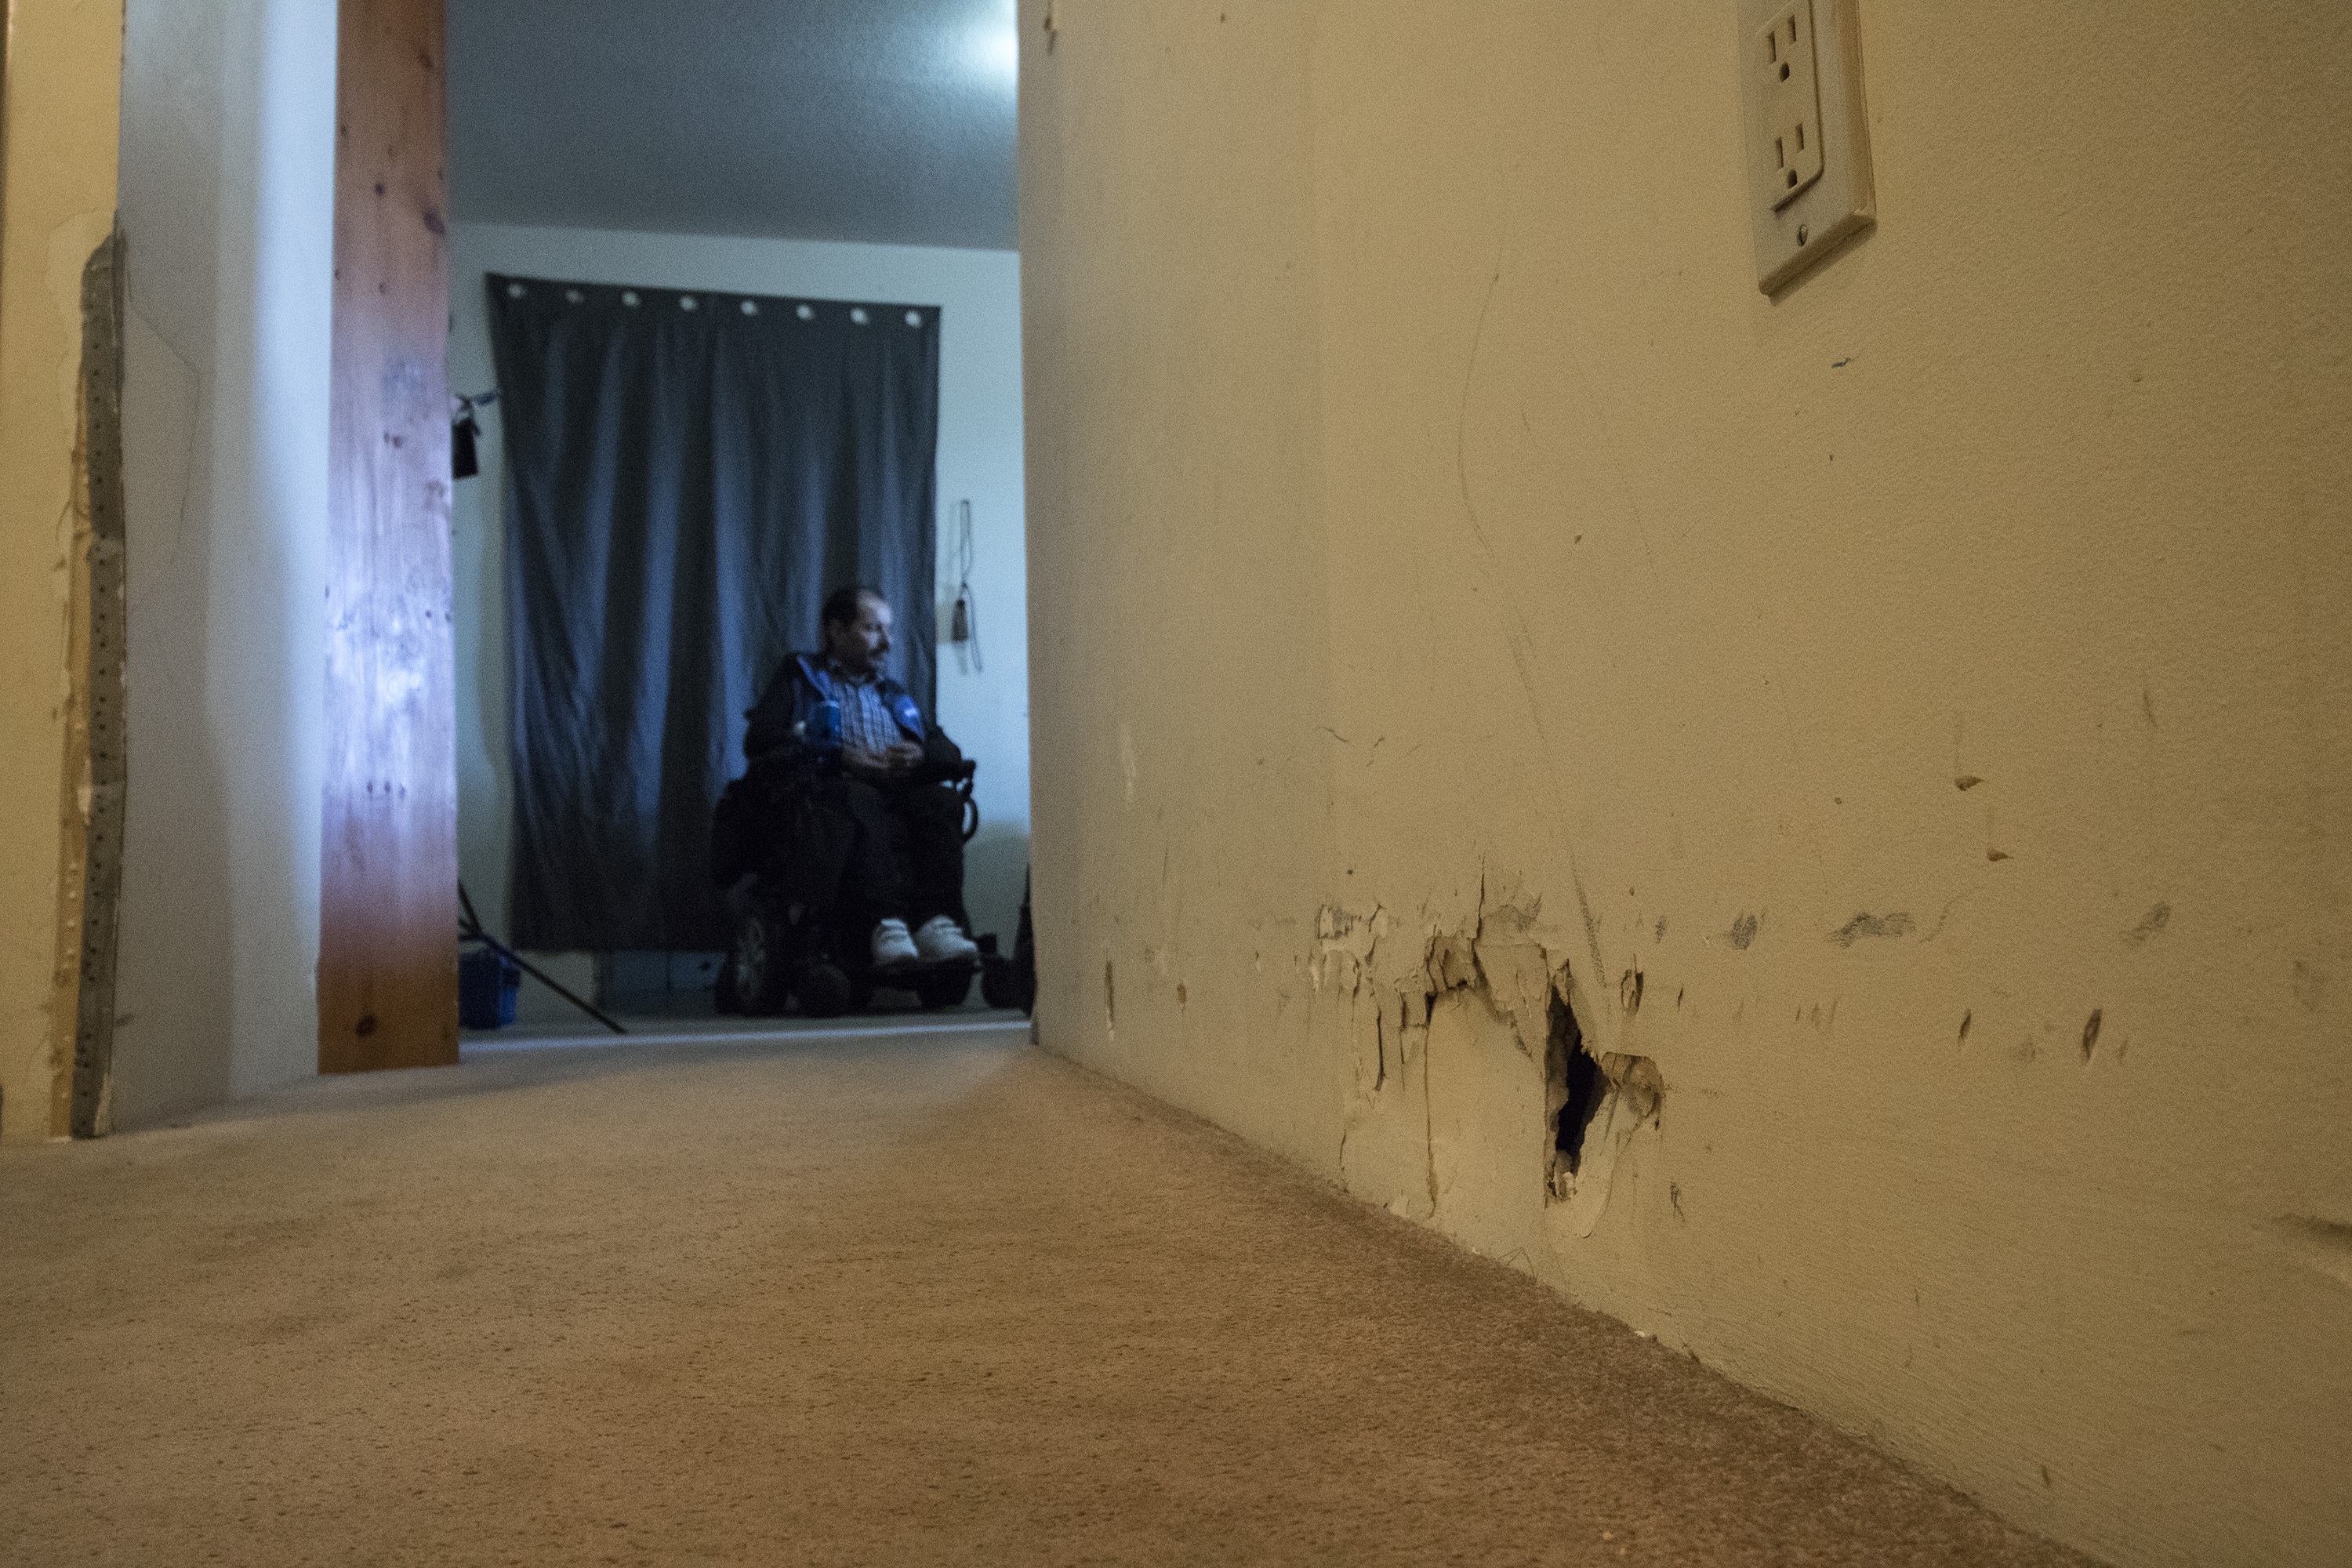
x=1899, y=735
x=57, y=180
x=1179, y=741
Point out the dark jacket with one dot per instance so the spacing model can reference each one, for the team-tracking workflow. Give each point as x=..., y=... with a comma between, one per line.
x=787, y=726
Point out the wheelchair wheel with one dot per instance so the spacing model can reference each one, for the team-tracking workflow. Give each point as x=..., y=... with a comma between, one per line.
x=756, y=967
x=944, y=990
x=824, y=992
x=999, y=986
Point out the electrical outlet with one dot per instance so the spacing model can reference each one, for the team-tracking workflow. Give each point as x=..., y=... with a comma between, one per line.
x=1808, y=139
x=1792, y=105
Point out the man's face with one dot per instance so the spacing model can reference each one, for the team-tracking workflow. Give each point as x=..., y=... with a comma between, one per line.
x=861, y=645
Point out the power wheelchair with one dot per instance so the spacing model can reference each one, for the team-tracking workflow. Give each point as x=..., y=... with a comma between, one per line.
x=778, y=857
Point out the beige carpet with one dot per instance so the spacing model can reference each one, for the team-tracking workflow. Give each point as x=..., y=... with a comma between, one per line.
x=903, y=1299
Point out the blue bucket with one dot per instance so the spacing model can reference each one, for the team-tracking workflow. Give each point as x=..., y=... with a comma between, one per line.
x=488, y=984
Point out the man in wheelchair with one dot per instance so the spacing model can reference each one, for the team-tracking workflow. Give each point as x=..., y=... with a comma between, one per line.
x=842, y=846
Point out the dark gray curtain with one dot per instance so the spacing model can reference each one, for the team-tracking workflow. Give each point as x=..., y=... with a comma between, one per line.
x=686, y=476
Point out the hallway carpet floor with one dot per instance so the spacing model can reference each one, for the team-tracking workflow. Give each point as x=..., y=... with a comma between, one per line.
x=897, y=1298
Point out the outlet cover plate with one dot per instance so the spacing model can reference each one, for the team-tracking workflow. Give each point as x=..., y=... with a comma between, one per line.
x=1797, y=225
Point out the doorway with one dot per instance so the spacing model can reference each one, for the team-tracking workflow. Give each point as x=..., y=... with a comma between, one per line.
x=799, y=151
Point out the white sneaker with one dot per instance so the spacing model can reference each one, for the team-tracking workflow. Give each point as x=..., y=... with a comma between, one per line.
x=892, y=945
x=941, y=937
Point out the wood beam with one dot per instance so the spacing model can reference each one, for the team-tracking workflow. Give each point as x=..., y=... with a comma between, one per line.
x=387, y=936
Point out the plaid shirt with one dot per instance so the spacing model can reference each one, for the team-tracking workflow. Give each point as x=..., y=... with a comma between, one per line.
x=867, y=729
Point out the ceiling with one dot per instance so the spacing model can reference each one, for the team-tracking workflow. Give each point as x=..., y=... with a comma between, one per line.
x=885, y=121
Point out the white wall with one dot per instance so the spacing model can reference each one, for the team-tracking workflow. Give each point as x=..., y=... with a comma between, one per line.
x=980, y=457
x=227, y=196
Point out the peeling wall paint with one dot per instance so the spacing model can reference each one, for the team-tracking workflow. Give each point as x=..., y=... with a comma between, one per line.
x=1475, y=1136
x=61, y=101
x=1906, y=727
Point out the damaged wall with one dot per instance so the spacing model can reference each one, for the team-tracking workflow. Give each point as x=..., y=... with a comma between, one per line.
x=57, y=180
x=1901, y=733
x=1179, y=700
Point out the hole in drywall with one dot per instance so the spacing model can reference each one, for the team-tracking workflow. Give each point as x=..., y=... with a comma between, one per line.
x=1576, y=1087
